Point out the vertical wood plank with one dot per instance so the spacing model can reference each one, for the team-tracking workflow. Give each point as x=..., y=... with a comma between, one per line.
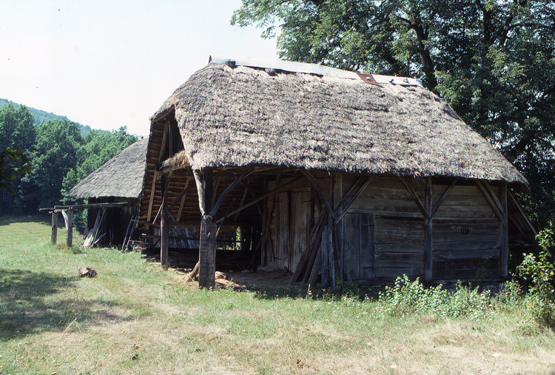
x=337, y=199
x=504, y=231
x=351, y=244
x=282, y=239
x=164, y=230
x=325, y=254
x=164, y=239
x=54, y=234
x=428, y=241
x=366, y=249
x=69, y=224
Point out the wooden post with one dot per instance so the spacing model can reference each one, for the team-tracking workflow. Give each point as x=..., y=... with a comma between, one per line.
x=428, y=241
x=504, y=231
x=54, y=234
x=208, y=231
x=207, y=253
x=337, y=199
x=164, y=230
x=325, y=250
x=69, y=227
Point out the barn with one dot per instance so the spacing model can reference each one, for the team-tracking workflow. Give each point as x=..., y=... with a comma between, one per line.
x=113, y=197
x=330, y=174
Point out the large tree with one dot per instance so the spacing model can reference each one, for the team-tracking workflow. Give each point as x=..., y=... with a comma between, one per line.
x=492, y=60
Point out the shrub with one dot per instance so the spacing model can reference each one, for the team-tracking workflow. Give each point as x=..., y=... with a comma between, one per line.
x=539, y=271
x=408, y=296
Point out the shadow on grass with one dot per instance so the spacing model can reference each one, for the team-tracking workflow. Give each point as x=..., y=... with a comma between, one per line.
x=27, y=306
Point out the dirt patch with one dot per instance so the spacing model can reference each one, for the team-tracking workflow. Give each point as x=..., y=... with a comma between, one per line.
x=253, y=280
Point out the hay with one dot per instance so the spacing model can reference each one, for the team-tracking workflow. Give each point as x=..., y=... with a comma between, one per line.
x=236, y=117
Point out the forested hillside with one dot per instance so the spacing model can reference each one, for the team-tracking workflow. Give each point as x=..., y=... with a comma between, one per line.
x=60, y=156
x=40, y=116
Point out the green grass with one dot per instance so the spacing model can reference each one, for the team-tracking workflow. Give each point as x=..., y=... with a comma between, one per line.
x=136, y=319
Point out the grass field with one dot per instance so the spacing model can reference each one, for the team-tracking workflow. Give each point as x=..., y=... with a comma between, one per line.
x=136, y=319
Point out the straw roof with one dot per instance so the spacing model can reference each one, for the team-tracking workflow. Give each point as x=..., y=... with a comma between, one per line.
x=120, y=177
x=243, y=116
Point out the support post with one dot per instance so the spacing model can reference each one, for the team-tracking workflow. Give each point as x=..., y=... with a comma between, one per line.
x=164, y=230
x=208, y=232
x=207, y=253
x=69, y=227
x=338, y=223
x=54, y=234
x=428, y=241
x=504, y=231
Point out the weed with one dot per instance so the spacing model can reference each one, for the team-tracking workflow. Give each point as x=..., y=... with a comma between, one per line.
x=407, y=297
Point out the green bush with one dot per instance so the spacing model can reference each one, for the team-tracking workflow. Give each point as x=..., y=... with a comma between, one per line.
x=408, y=296
x=539, y=271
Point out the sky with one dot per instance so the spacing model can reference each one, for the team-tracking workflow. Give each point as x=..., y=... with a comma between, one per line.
x=112, y=63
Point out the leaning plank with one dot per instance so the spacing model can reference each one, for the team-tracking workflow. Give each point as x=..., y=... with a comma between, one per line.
x=191, y=275
x=304, y=260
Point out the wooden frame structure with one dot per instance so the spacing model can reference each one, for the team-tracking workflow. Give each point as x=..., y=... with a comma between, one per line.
x=358, y=218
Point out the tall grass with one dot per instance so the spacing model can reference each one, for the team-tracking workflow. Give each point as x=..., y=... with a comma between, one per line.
x=136, y=319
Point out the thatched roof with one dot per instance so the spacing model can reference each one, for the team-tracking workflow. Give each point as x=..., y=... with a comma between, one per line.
x=243, y=116
x=120, y=177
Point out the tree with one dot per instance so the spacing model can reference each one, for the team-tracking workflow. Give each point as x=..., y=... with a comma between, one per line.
x=56, y=150
x=13, y=164
x=492, y=60
x=17, y=139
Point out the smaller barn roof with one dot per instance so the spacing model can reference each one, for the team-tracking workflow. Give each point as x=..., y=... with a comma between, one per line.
x=120, y=177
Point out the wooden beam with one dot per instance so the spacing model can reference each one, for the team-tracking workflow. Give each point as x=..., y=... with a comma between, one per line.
x=444, y=195
x=415, y=198
x=428, y=241
x=351, y=197
x=504, y=230
x=183, y=197
x=490, y=197
x=224, y=194
x=152, y=192
x=338, y=199
x=54, y=233
x=207, y=252
x=286, y=185
x=164, y=227
x=208, y=234
x=242, y=202
x=200, y=192
x=319, y=190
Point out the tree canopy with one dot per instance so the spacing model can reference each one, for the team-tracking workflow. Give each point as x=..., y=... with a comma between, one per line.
x=40, y=164
x=492, y=60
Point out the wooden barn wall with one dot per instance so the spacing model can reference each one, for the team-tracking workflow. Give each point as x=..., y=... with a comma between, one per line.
x=387, y=215
x=383, y=232
x=291, y=219
x=466, y=238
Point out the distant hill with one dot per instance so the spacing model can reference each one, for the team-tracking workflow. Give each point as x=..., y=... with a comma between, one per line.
x=41, y=116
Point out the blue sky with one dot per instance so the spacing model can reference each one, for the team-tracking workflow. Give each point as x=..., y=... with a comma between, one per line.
x=112, y=63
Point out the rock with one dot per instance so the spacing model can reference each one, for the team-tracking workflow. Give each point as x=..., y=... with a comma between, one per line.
x=87, y=272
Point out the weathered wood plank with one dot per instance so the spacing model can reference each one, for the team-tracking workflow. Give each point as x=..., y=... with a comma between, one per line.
x=367, y=248
x=428, y=229
x=504, y=231
x=54, y=233
x=351, y=245
x=466, y=254
x=207, y=253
